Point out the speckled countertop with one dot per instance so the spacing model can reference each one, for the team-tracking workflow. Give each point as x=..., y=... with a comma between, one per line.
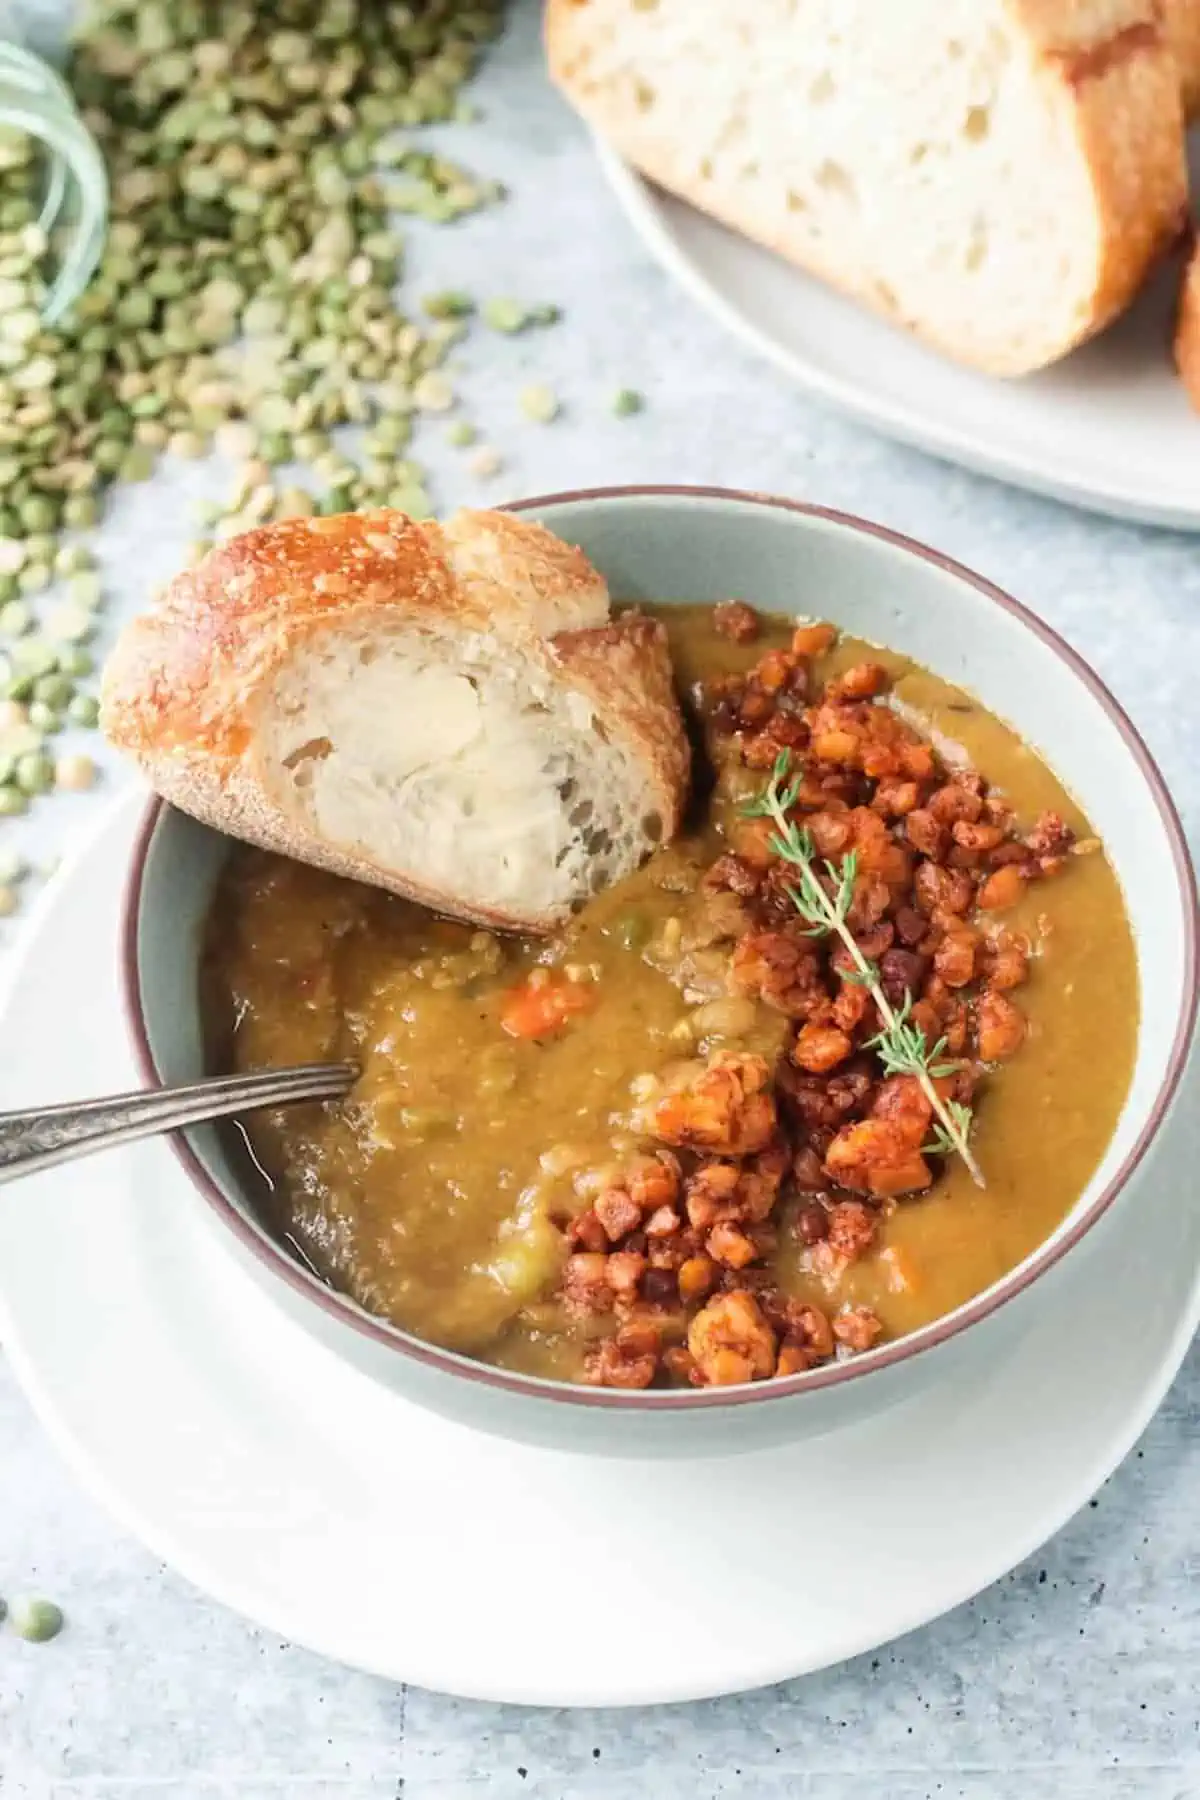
x=1073, y=1679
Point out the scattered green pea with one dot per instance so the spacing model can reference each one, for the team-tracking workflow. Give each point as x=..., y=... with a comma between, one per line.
x=539, y=403
x=83, y=710
x=17, y=740
x=13, y=870
x=34, y=773
x=255, y=473
x=450, y=305
x=20, y=327
x=73, y=559
x=275, y=413
x=236, y=440
x=389, y=434
x=189, y=444
x=33, y=578
x=44, y=718
x=53, y=690
x=80, y=511
x=308, y=445
x=294, y=503
x=152, y=433
x=15, y=619
x=411, y=500
x=137, y=464
x=34, y=657
x=485, y=462
x=460, y=434
x=631, y=930
x=73, y=659
x=74, y=773
x=107, y=457
x=86, y=590
x=34, y=1619
x=276, y=447
x=39, y=513
x=434, y=393
x=505, y=315
x=70, y=624
x=626, y=402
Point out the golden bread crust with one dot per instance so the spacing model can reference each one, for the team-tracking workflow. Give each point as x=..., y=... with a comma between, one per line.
x=184, y=689
x=1187, y=327
x=1182, y=21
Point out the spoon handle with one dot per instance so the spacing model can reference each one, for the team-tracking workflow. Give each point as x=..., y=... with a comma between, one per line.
x=44, y=1136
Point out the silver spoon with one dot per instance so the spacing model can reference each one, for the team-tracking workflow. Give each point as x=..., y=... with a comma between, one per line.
x=46, y=1135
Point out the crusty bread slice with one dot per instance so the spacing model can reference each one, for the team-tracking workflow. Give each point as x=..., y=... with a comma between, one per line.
x=1187, y=327
x=996, y=175
x=1182, y=20
x=450, y=712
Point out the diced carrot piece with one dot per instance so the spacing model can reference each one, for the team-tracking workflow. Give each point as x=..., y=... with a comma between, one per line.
x=812, y=640
x=535, y=1012
x=1002, y=889
x=752, y=842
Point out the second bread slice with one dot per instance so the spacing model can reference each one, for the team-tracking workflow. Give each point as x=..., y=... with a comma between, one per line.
x=996, y=175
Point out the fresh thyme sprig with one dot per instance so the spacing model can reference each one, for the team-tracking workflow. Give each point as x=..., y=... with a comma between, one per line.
x=819, y=906
x=901, y=1044
x=941, y=1144
x=903, y=1049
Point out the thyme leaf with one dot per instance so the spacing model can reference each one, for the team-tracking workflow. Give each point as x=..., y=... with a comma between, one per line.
x=941, y=1144
x=824, y=905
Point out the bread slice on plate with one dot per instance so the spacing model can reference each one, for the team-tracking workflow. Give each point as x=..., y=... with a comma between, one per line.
x=996, y=175
x=451, y=712
x=1187, y=327
x=1182, y=20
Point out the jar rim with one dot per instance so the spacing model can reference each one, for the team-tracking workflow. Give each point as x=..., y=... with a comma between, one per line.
x=36, y=100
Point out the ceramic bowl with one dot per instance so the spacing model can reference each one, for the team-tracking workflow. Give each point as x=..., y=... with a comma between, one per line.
x=705, y=545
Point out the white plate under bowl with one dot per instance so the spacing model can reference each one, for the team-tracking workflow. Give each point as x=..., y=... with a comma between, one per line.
x=303, y=1495
x=1110, y=428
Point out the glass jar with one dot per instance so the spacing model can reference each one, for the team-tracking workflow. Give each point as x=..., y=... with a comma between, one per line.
x=36, y=103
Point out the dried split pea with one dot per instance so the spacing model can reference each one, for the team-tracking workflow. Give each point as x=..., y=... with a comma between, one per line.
x=74, y=774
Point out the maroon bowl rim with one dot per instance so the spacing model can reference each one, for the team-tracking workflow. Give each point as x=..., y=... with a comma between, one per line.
x=275, y=1258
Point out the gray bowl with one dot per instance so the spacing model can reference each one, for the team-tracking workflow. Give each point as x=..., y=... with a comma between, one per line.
x=706, y=545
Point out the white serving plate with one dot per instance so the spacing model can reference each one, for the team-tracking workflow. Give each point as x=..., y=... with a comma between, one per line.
x=1109, y=429
x=308, y=1497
